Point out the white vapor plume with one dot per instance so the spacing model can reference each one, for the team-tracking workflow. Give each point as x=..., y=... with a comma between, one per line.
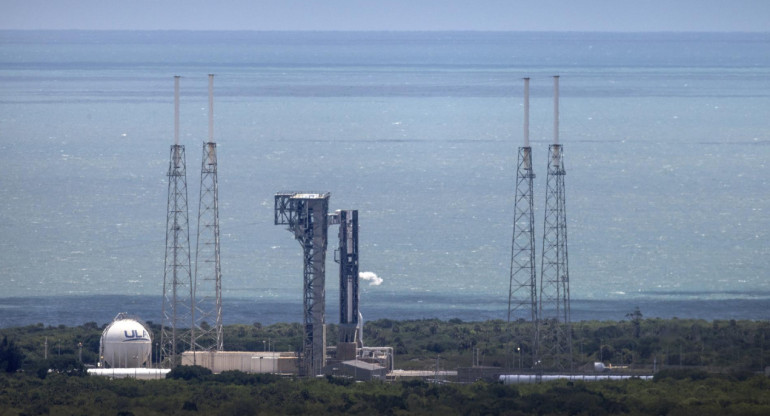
x=372, y=277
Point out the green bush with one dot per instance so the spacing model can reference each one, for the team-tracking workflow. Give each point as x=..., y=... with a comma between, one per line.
x=11, y=356
x=188, y=372
x=681, y=374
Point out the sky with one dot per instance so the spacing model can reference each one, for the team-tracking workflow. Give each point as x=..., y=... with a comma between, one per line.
x=390, y=15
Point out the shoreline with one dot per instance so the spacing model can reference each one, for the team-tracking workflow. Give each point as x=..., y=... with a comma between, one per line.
x=77, y=309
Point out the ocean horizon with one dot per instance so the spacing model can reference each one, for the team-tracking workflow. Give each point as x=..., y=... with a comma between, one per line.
x=78, y=310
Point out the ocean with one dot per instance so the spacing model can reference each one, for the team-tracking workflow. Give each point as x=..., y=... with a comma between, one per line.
x=666, y=142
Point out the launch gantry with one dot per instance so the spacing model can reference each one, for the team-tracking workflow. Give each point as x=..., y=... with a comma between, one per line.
x=306, y=215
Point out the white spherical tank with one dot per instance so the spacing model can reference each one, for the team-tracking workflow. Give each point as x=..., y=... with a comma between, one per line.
x=126, y=343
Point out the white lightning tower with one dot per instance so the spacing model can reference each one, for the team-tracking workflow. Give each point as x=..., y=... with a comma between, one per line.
x=208, y=273
x=177, y=326
x=554, y=314
x=522, y=294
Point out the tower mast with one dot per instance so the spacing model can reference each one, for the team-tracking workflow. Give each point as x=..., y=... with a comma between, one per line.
x=177, y=326
x=208, y=272
x=556, y=326
x=522, y=293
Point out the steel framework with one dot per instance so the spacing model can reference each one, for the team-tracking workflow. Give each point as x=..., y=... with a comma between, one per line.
x=556, y=327
x=522, y=294
x=347, y=257
x=177, y=311
x=306, y=215
x=208, y=272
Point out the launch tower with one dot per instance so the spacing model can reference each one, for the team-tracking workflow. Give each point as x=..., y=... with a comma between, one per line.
x=306, y=215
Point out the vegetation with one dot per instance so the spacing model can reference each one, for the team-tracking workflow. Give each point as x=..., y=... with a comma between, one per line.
x=639, y=344
x=229, y=393
x=10, y=356
x=704, y=368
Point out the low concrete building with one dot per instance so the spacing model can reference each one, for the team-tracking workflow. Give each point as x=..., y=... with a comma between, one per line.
x=246, y=361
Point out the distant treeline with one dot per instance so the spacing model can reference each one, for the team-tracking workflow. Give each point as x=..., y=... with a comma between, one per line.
x=704, y=368
x=636, y=344
x=192, y=390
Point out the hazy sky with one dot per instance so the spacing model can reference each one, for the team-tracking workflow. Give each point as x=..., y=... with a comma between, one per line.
x=531, y=15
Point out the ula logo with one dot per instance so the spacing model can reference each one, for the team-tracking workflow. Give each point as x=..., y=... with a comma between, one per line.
x=134, y=335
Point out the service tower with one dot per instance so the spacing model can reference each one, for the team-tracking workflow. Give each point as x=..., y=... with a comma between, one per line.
x=306, y=215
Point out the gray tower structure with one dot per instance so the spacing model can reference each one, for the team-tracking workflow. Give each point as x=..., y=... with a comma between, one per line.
x=208, y=272
x=347, y=257
x=522, y=294
x=306, y=215
x=177, y=326
x=556, y=327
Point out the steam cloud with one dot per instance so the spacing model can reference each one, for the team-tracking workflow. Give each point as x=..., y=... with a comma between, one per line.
x=372, y=277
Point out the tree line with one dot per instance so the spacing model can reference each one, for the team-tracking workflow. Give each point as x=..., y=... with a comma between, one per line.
x=639, y=344
x=196, y=391
x=703, y=367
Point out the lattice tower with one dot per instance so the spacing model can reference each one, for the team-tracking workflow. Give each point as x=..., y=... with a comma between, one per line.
x=554, y=315
x=208, y=272
x=522, y=295
x=177, y=332
x=522, y=292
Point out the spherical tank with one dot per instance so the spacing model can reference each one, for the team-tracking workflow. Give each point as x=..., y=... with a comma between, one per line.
x=126, y=343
